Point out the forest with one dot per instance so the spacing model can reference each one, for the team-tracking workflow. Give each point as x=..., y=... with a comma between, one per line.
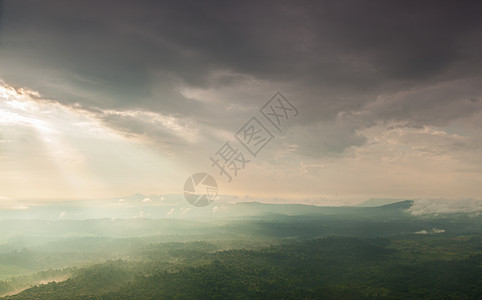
x=347, y=254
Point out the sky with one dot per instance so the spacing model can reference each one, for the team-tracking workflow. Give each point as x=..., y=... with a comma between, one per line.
x=112, y=98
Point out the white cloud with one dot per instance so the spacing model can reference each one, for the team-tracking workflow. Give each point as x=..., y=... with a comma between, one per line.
x=444, y=206
x=147, y=200
x=433, y=230
x=219, y=208
x=421, y=232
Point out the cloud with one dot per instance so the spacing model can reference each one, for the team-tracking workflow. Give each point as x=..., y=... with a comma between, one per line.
x=445, y=206
x=163, y=129
x=344, y=45
x=435, y=104
x=217, y=209
x=433, y=230
x=179, y=78
x=147, y=200
x=332, y=55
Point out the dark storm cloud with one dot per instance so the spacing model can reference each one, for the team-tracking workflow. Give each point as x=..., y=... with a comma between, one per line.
x=118, y=44
x=1, y=19
x=334, y=56
x=403, y=39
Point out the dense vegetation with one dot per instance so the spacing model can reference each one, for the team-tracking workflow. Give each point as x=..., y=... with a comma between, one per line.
x=329, y=268
x=387, y=256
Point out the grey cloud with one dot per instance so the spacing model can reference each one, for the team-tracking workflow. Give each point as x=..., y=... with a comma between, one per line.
x=409, y=39
x=117, y=45
x=1, y=19
x=432, y=105
x=328, y=138
x=331, y=57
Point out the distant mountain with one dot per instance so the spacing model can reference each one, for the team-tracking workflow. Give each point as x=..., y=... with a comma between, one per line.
x=378, y=202
x=252, y=209
x=406, y=204
x=174, y=206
